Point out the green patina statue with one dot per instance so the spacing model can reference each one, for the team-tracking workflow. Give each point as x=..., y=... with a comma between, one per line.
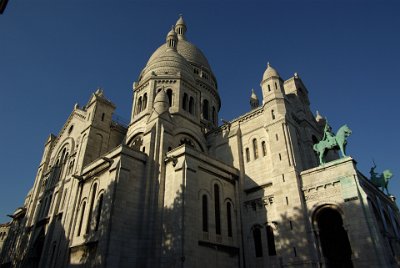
x=330, y=141
x=381, y=180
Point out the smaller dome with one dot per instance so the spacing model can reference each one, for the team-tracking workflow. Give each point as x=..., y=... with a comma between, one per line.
x=253, y=95
x=180, y=27
x=270, y=72
x=180, y=21
x=320, y=119
x=253, y=100
x=171, y=33
x=161, y=103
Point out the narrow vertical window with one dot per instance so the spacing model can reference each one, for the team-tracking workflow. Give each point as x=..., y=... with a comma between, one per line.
x=144, y=105
x=271, y=241
x=46, y=212
x=91, y=208
x=269, y=88
x=63, y=200
x=229, y=218
x=257, y=242
x=102, y=116
x=184, y=101
x=214, y=116
x=264, y=148
x=191, y=105
x=83, y=206
x=255, y=148
x=273, y=114
x=276, y=85
x=247, y=155
x=217, y=210
x=205, y=213
x=139, y=105
x=205, y=109
x=98, y=215
x=169, y=94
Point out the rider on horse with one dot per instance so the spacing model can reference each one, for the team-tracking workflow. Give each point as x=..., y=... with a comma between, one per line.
x=329, y=136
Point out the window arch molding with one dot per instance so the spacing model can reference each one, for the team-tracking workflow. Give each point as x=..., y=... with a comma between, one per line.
x=98, y=209
x=228, y=199
x=182, y=133
x=136, y=141
x=67, y=144
x=321, y=206
x=221, y=188
x=264, y=147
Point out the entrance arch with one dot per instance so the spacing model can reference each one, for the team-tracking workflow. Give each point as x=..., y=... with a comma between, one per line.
x=333, y=238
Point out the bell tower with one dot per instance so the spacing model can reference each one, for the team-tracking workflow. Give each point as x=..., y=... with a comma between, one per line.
x=271, y=85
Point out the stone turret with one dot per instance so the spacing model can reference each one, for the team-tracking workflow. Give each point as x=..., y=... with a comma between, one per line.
x=180, y=27
x=254, y=103
x=271, y=84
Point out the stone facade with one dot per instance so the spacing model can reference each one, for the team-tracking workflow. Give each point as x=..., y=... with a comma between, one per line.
x=174, y=189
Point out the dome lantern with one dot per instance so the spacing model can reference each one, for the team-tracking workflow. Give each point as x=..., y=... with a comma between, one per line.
x=180, y=27
x=172, y=38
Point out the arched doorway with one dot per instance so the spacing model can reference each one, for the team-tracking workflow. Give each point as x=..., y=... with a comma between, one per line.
x=333, y=239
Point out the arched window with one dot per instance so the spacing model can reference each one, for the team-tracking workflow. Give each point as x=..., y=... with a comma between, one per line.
x=137, y=142
x=217, y=210
x=83, y=206
x=205, y=109
x=204, y=202
x=229, y=218
x=271, y=241
x=139, y=105
x=264, y=148
x=255, y=148
x=91, y=208
x=214, y=115
x=184, y=101
x=273, y=114
x=98, y=215
x=169, y=94
x=191, y=105
x=247, y=155
x=257, y=242
x=144, y=105
x=47, y=208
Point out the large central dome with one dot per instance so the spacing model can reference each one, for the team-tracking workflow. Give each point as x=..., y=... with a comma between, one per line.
x=186, y=49
x=189, y=51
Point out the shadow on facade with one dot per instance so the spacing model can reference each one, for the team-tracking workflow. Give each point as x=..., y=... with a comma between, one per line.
x=173, y=232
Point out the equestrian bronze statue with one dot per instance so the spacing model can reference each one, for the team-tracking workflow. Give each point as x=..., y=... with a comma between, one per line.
x=332, y=142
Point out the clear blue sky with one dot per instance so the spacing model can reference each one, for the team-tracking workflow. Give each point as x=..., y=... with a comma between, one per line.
x=56, y=53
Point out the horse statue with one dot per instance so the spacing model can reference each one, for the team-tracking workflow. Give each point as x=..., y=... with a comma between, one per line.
x=331, y=141
x=381, y=180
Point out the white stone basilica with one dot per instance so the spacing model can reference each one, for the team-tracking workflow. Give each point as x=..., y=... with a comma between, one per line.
x=174, y=189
